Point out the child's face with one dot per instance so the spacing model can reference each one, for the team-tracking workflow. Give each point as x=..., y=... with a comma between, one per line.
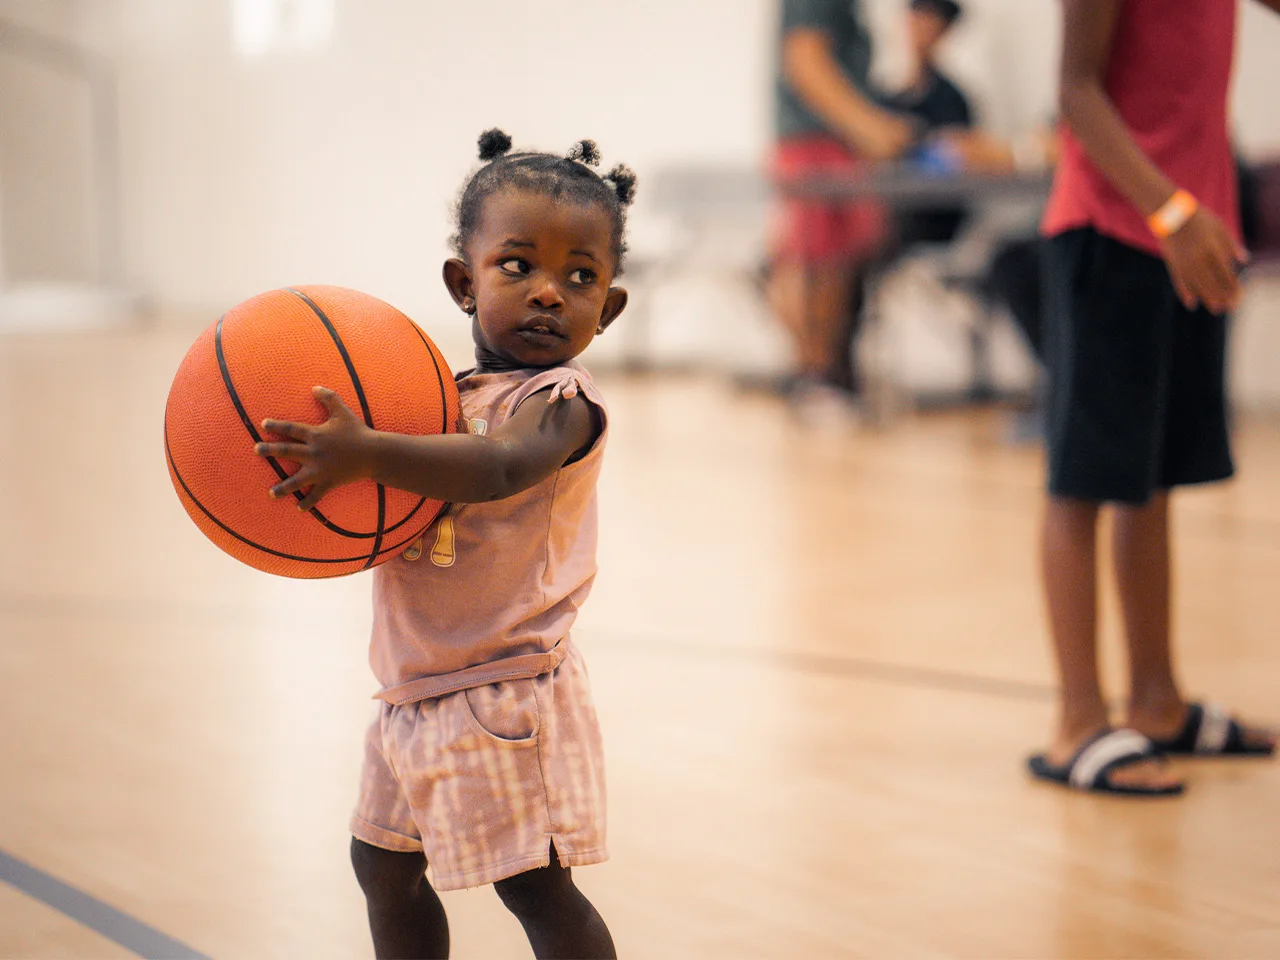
x=537, y=278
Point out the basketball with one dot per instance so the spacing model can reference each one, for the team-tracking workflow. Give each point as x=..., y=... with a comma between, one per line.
x=261, y=360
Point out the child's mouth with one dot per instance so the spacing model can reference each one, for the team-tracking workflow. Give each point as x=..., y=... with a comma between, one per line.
x=541, y=331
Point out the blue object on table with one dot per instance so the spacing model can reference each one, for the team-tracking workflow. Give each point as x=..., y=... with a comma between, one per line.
x=936, y=159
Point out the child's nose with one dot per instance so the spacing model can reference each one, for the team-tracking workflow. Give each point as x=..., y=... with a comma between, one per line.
x=545, y=293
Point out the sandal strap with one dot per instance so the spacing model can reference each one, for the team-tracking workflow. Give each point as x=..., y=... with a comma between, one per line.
x=1215, y=729
x=1111, y=750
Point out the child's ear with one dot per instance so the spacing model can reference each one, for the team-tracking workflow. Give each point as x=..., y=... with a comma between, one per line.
x=457, y=277
x=614, y=304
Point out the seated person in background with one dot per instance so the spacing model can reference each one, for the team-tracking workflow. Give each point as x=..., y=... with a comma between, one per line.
x=936, y=103
x=827, y=123
x=936, y=107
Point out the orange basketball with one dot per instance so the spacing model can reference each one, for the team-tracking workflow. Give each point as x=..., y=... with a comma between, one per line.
x=260, y=361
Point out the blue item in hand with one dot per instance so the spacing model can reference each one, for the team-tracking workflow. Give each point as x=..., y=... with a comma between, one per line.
x=936, y=159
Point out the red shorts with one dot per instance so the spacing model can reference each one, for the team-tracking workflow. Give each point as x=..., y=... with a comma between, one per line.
x=823, y=230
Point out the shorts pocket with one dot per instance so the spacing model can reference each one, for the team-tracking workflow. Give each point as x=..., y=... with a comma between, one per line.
x=505, y=713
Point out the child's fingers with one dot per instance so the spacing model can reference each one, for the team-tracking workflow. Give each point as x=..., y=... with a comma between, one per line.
x=282, y=489
x=292, y=484
x=284, y=451
x=286, y=428
x=332, y=402
x=314, y=496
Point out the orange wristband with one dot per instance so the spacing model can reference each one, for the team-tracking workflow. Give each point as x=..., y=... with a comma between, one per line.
x=1173, y=216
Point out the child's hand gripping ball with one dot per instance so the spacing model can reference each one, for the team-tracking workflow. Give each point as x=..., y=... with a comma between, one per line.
x=263, y=359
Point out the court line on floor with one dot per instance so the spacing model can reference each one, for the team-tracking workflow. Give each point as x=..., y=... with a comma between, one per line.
x=828, y=665
x=88, y=911
x=807, y=662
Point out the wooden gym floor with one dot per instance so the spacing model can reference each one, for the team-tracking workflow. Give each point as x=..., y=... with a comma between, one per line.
x=819, y=663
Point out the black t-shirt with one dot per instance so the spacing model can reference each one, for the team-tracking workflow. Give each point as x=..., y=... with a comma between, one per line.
x=938, y=104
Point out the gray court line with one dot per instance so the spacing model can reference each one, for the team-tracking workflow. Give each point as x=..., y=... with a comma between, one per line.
x=106, y=920
x=820, y=664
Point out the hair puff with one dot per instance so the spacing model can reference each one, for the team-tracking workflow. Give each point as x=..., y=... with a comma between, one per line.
x=493, y=144
x=565, y=179
x=623, y=179
x=585, y=151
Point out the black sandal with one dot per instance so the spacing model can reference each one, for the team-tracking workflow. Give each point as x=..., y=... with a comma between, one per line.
x=1089, y=770
x=1209, y=731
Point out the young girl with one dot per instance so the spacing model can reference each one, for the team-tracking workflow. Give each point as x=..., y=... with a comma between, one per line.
x=485, y=758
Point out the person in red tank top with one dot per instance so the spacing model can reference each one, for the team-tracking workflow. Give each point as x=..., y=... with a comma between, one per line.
x=1142, y=263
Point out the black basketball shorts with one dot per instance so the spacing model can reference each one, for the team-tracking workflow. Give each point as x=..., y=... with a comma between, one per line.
x=1137, y=383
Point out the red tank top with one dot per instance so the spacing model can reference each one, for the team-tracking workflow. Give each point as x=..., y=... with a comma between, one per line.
x=1169, y=76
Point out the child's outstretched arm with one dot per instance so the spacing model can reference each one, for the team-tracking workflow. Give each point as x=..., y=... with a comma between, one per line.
x=459, y=468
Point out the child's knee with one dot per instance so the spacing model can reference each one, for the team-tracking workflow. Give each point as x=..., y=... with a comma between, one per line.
x=535, y=892
x=384, y=874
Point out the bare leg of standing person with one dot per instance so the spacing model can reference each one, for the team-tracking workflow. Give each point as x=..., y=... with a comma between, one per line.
x=812, y=301
x=1069, y=567
x=1143, y=575
x=1141, y=552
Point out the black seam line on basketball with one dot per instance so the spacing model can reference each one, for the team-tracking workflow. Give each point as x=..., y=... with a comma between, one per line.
x=257, y=437
x=257, y=546
x=275, y=464
x=444, y=403
x=364, y=408
x=444, y=416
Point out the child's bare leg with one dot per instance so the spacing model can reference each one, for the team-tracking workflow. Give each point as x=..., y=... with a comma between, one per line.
x=406, y=917
x=558, y=920
x=1069, y=564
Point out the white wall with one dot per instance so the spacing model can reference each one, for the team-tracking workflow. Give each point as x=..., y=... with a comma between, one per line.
x=341, y=164
x=47, y=210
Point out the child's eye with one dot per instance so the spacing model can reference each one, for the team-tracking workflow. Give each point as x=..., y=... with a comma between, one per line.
x=584, y=277
x=514, y=266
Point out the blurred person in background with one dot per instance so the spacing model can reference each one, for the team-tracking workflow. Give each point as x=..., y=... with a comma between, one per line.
x=827, y=123
x=937, y=103
x=929, y=93
x=1142, y=265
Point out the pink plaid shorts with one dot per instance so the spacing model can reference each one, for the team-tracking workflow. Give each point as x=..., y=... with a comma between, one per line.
x=485, y=780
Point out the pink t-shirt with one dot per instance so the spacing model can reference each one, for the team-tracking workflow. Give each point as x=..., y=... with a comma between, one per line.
x=1169, y=76
x=492, y=581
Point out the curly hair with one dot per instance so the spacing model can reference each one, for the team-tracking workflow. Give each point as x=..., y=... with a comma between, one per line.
x=567, y=178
